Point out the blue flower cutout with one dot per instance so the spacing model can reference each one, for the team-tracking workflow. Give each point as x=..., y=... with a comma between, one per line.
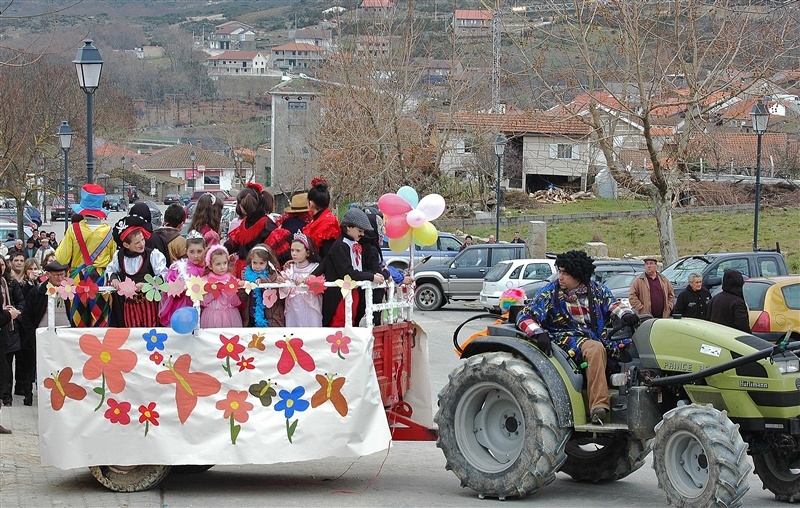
x=291, y=402
x=154, y=340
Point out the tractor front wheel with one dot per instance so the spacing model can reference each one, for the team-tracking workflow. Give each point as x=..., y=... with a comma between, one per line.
x=603, y=457
x=780, y=474
x=498, y=427
x=700, y=458
x=130, y=478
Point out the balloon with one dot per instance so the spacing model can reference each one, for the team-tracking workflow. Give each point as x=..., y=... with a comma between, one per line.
x=392, y=204
x=415, y=218
x=396, y=226
x=184, y=320
x=432, y=206
x=409, y=194
x=400, y=244
x=426, y=234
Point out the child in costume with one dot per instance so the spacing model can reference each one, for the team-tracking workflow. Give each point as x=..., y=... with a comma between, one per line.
x=181, y=270
x=303, y=307
x=221, y=299
x=134, y=261
x=262, y=267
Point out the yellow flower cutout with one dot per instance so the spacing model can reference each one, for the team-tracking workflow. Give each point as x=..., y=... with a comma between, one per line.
x=347, y=285
x=51, y=290
x=195, y=288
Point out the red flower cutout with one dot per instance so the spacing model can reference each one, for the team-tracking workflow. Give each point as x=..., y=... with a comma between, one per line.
x=214, y=288
x=86, y=289
x=340, y=343
x=232, y=286
x=157, y=358
x=107, y=359
x=246, y=364
x=149, y=414
x=230, y=347
x=316, y=284
x=117, y=412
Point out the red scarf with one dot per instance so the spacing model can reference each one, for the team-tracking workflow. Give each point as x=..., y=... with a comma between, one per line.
x=324, y=227
x=243, y=235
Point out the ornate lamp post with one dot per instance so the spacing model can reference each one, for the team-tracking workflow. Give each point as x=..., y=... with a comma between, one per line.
x=89, y=64
x=499, y=150
x=193, y=156
x=65, y=138
x=760, y=116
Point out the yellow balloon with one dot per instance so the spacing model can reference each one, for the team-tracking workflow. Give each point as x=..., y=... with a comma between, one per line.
x=400, y=244
x=425, y=234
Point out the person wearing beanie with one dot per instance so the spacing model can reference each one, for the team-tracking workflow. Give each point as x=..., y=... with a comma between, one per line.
x=87, y=248
x=728, y=307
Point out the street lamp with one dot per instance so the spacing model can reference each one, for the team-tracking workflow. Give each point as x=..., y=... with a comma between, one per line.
x=124, y=196
x=65, y=138
x=499, y=149
x=760, y=117
x=238, y=158
x=193, y=156
x=89, y=64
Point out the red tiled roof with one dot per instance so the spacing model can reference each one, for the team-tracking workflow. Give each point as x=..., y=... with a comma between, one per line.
x=297, y=46
x=481, y=14
x=377, y=3
x=108, y=149
x=721, y=148
x=177, y=157
x=533, y=122
x=236, y=55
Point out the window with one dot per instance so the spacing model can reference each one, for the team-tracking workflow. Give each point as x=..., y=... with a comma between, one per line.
x=473, y=257
x=298, y=105
x=537, y=271
x=792, y=296
x=739, y=264
x=211, y=180
x=515, y=274
x=768, y=267
x=503, y=254
x=267, y=176
x=449, y=244
x=564, y=151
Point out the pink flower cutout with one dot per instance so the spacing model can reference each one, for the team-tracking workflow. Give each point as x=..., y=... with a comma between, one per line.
x=270, y=297
x=67, y=289
x=127, y=288
x=176, y=288
x=347, y=284
x=339, y=344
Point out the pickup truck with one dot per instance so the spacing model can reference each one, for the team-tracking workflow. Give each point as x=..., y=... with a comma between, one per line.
x=711, y=267
x=460, y=278
x=445, y=248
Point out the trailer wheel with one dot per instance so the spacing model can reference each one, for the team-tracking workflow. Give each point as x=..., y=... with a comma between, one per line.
x=498, y=428
x=191, y=468
x=700, y=458
x=428, y=296
x=130, y=478
x=604, y=458
x=779, y=474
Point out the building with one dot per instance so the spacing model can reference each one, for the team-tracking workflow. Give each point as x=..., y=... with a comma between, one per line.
x=209, y=170
x=314, y=36
x=233, y=35
x=472, y=23
x=378, y=9
x=237, y=63
x=297, y=56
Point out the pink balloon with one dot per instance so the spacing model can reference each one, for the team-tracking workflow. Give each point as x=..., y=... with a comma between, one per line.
x=415, y=218
x=396, y=226
x=392, y=204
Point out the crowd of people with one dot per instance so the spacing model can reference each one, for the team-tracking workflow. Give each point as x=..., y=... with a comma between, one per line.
x=307, y=240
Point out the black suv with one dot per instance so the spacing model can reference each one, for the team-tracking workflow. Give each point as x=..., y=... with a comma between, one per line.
x=460, y=278
x=116, y=202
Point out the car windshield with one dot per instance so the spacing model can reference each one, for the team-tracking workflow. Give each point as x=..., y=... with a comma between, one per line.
x=113, y=196
x=497, y=272
x=678, y=273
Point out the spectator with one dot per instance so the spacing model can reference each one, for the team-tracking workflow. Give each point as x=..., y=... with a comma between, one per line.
x=6, y=316
x=652, y=293
x=30, y=248
x=43, y=250
x=729, y=308
x=18, y=247
x=693, y=302
x=87, y=248
x=467, y=243
x=53, y=242
x=517, y=239
x=16, y=266
x=491, y=239
x=174, y=217
x=10, y=298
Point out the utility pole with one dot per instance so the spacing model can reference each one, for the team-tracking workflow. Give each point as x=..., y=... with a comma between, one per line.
x=496, y=57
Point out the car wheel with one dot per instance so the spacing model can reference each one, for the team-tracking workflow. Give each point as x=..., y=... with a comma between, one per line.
x=428, y=296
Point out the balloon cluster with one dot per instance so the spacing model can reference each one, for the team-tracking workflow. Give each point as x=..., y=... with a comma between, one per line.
x=407, y=218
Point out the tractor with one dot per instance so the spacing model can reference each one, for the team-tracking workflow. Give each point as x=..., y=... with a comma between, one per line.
x=700, y=396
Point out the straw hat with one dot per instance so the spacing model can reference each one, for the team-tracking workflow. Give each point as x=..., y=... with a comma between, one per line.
x=299, y=204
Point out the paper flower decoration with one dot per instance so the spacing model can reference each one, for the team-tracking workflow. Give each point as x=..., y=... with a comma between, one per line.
x=408, y=218
x=152, y=287
x=347, y=284
x=195, y=288
x=127, y=288
x=214, y=288
x=176, y=288
x=66, y=290
x=248, y=286
x=316, y=284
x=270, y=297
x=86, y=289
x=52, y=291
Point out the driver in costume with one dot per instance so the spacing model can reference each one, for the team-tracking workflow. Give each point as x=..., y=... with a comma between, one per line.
x=573, y=312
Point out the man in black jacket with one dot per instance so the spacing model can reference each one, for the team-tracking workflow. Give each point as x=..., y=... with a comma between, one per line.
x=6, y=316
x=693, y=302
x=729, y=308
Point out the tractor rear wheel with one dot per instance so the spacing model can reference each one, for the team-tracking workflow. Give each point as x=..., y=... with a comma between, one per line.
x=779, y=474
x=130, y=478
x=604, y=458
x=700, y=458
x=498, y=427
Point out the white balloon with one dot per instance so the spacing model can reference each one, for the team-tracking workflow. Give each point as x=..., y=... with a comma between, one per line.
x=432, y=206
x=415, y=218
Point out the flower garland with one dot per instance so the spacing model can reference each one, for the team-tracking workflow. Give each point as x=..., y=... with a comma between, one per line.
x=260, y=315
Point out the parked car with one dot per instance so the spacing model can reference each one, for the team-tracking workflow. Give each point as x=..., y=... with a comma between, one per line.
x=116, y=202
x=172, y=198
x=155, y=214
x=10, y=215
x=604, y=270
x=774, y=304
x=711, y=267
x=620, y=284
x=186, y=198
x=513, y=274
x=220, y=194
x=10, y=228
x=462, y=277
x=446, y=247
x=34, y=214
x=133, y=195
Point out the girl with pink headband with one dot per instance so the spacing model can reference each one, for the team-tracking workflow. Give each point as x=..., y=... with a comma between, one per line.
x=303, y=307
x=221, y=301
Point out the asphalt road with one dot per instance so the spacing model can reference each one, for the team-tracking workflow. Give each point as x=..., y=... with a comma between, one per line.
x=410, y=474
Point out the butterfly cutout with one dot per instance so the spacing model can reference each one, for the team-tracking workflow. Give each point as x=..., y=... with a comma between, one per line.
x=316, y=284
x=264, y=391
x=293, y=354
x=330, y=389
x=188, y=385
x=257, y=342
x=61, y=387
x=127, y=288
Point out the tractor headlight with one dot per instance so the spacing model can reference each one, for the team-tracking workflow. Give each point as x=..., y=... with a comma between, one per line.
x=788, y=363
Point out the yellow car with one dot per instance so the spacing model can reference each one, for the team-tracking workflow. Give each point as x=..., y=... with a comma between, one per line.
x=774, y=304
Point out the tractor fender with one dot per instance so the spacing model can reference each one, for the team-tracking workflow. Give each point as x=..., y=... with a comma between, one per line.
x=538, y=361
